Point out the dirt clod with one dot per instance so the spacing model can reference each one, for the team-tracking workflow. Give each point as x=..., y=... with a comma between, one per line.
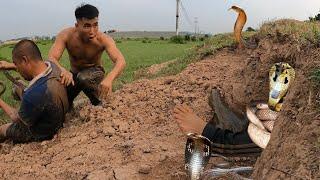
x=144, y=169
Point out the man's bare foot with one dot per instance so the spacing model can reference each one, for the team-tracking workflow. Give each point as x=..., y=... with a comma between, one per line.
x=188, y=121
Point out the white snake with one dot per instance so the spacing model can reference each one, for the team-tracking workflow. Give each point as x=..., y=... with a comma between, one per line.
x=262, y=116
x=197, y=154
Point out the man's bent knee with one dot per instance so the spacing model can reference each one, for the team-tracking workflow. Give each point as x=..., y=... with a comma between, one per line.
x=91, y=77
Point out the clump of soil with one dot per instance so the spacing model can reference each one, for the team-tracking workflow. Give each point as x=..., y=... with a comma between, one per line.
x=133, y=135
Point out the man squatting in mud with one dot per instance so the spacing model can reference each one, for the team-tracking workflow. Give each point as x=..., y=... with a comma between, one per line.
x=44, y=101
x=85, y=45
x=232, y=138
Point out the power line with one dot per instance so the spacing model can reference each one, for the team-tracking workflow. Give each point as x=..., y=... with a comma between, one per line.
x=186, y=14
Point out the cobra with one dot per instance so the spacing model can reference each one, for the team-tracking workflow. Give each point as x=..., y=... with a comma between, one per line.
x=197, y=154
x=262, y=116
x=238, y=26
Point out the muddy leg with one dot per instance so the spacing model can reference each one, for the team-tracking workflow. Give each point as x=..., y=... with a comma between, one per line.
x=224, y=116
x=187, y=120
x=90, y=80
x=73, y=90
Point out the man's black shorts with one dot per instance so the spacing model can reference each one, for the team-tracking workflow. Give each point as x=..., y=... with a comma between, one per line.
x=19, y=133
x=88, y=81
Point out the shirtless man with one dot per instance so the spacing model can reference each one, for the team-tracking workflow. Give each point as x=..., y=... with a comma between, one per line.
x=85, y=45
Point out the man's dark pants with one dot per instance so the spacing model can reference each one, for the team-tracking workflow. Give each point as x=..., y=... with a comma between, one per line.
x=88, y=81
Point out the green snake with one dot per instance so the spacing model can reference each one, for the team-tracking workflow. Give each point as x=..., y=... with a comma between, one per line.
x=263, y=115
x=3, y=87
x=17, y=84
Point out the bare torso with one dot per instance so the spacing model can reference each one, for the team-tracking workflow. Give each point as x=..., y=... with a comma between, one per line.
x=83, y=54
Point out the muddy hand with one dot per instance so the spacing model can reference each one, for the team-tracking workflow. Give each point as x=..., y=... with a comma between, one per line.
x=105, y=89
x=66, y=77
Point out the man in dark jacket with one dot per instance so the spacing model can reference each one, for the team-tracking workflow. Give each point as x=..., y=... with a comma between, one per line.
x=44, y=102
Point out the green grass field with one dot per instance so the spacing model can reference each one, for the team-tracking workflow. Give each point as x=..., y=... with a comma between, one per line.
x=137, y=54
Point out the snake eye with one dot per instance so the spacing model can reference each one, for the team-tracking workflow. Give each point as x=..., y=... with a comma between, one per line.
x=286, y=80
x=275, y=78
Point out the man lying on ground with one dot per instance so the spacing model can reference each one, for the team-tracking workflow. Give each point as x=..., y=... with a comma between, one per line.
x=228, y=141
x=85, y=45
x=44, y=101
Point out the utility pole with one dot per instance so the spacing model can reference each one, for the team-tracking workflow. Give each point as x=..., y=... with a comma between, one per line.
x=177, y=18
x=195, y=25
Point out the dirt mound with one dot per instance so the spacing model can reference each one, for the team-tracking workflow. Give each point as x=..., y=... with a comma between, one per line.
x=152, y=70
x=133, y=135
x=293, y=151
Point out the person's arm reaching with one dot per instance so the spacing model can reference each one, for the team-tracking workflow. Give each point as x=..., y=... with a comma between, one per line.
x=119, y=65
x=10, y=111
x=55, y=54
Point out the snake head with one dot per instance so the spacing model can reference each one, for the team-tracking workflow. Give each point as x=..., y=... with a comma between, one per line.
x=197, y=154
x=235, y=8
x=281, y=76
x=198, y=142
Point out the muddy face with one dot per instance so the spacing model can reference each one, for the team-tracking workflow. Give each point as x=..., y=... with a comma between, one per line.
x=87, y=28
x=23, y=67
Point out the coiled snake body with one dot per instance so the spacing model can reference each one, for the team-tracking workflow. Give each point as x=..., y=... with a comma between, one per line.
x=262, y=116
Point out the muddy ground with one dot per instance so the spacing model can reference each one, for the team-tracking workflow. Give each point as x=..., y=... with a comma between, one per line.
x=133, y=135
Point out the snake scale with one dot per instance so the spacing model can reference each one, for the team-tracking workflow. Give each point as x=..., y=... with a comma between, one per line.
x=197, y=154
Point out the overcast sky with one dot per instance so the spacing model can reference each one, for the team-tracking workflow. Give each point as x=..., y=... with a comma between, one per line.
x=47, y=17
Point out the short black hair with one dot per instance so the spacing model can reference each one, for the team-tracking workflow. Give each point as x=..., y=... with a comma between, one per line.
x=86, y=11
x=27, y=48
